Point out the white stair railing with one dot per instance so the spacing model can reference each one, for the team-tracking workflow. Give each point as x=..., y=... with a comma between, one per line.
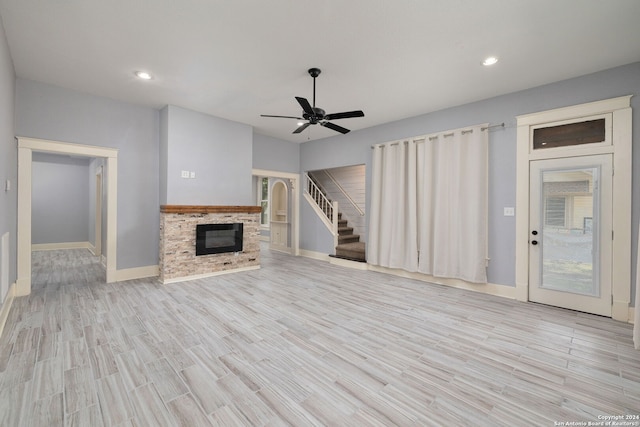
x=325, y=208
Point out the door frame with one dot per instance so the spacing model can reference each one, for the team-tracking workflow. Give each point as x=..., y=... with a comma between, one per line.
x=295, y=203
x=620, y=146
x=275, y=194
x=97, y=243
x=26, y=147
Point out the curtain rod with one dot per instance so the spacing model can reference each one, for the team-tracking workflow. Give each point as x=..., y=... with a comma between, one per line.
x=500, y=125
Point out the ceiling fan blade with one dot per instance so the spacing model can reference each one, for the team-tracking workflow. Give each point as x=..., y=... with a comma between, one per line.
x=302, y=127
x=282, y=117
x=335, y=127
x=306, y=107
x=345, y=115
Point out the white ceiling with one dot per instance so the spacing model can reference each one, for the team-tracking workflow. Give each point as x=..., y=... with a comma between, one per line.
x=237, y=59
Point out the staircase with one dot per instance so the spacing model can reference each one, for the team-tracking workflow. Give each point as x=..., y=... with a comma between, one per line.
x=349, y=245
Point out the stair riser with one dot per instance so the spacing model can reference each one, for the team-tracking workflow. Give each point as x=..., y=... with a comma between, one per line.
x=348, y=239
x=359, y=256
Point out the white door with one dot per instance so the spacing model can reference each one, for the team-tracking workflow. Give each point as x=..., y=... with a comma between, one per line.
x=570, y=233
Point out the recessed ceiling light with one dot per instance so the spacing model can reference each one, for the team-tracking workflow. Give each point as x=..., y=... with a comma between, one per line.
x=143, y=75
x=490, y=61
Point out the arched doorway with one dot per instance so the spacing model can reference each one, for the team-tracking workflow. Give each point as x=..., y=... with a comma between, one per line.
x=279, y=223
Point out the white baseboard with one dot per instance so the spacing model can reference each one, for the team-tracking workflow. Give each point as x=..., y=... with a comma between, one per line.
x=137, y=273
x=62, y=245
x=314, y=255
x=632, y=314
x=204, y=276
x=283, y=249
x=487, y=288
x=6, y=307
x=347, y=263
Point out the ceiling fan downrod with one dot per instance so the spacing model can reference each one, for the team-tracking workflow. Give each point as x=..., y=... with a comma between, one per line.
x=314, y=72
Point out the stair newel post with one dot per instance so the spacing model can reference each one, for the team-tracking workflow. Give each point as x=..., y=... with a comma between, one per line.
x=334, y=222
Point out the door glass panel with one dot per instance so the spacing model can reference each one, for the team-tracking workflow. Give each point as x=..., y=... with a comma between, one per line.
x=569, y=244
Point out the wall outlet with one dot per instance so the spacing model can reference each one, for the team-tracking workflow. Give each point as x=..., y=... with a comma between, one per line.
x=509, y=211
x=184, y=174
x=192, y=175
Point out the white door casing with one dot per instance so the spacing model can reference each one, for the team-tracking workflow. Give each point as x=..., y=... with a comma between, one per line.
x=294, y=221
x=26, y=147
x=97, y=244
x=617, y=113
x=278, y=217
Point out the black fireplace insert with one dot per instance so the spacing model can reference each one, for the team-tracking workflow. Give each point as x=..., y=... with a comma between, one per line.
x=218, y=238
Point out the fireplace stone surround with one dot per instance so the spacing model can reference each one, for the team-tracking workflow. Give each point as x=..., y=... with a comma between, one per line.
x=178, y=260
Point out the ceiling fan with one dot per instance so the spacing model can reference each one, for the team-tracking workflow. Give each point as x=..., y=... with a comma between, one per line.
x=315, y=115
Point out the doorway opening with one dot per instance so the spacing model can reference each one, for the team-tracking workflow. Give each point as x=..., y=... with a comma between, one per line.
x=26, y=148
x=283, y=208
x=279, y=216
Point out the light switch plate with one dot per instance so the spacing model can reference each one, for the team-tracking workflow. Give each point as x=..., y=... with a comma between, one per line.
x=193, y=175
x=184, y=174
x=509, y=211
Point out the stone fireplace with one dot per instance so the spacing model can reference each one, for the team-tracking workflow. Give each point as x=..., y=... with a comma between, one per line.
x=179, y=239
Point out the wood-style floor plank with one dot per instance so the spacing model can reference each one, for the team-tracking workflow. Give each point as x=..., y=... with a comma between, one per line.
x=300, y=342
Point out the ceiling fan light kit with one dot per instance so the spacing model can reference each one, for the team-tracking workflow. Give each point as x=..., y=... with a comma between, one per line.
x=316, y=115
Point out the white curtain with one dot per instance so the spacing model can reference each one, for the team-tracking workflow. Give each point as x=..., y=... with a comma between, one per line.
x=429, y=205
x=394, y=242
x=636, y=311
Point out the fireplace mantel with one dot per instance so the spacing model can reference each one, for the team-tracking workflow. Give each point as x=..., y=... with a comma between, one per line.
x=195, y=209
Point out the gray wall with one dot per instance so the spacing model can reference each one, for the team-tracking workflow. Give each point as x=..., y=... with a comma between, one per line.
x=354, y=148
x=164, y=152
x=49, y=112
x=275, y=155
x=60, y=199
x=8, y=154
x=217, y=150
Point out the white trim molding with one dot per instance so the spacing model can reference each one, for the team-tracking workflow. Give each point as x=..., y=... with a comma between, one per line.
x=619, y=109
x=212, y=274
x=504, y=291
x=294, y=179
x=62, y=245
x=137, y=273
x=26, y=147
x=6, y=306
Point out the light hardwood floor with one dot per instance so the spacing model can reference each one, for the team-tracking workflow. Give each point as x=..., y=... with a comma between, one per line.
x=300, y=342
